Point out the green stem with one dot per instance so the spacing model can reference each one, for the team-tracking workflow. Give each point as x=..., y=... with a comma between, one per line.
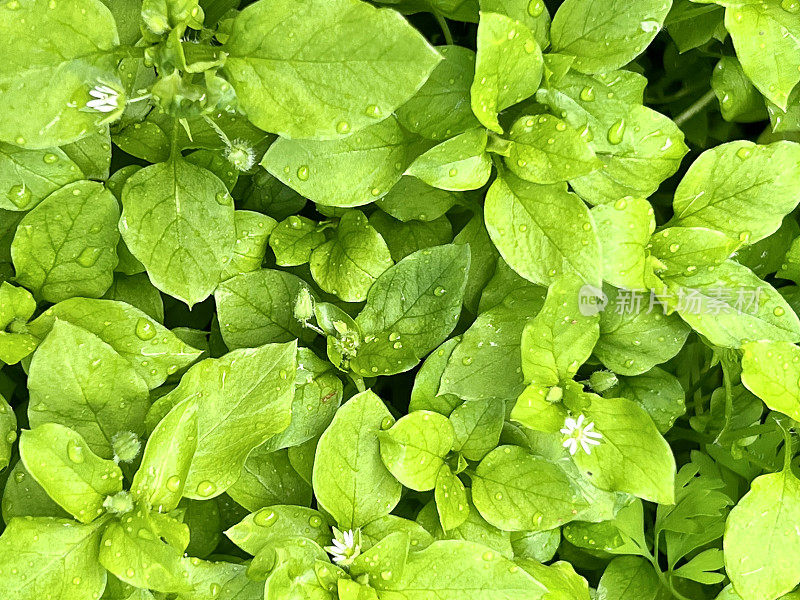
x=740, y=434
x=445, y=29
x=788, y=449
x=753, y=459
x=695, y=108
x=218, y=130
x=358, y=381
x=726, y=380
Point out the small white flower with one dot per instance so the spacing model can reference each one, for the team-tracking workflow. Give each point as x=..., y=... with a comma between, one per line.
x=105, y=99
x=580, y=433
x=346, y=546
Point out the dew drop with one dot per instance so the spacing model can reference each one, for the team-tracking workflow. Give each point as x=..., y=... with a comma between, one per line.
x=790, y=6
x=535, y=8
x=206, y=489
x=50, y=158
x=19, y=195
x=744, y=152
x=778, y=311
x=145, y=330
x=587, y=94
x=439, y=291
x=75, y=452
x=616, y=132
x=386, y=423
x=315, y=521
x=343, y=127
x=174, y=483
x=302, y=173
x=621, y=204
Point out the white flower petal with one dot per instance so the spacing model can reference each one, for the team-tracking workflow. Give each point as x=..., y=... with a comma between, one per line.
x=580, y=421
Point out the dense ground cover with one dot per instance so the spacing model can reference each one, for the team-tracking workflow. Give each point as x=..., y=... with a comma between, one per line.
x=410, y=300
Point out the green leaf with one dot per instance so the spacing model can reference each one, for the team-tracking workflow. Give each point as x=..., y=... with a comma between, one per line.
x=624, y=229
x=540, y=230
x=8, y=432
x=42, y=554
x=508, y=67
x=259, y=529
x=634, y=338
x=631, y=578
x=754, y=27
x=558, y=340
x=632, y=456
x=452, y=503
x=77, y=380
x=741, y=189
x=66, y=246
x=317, y=396
x=252, y=231
x=137, y=291
x=415, y=447
x=71, y=474
x=489, y=346
x=152, y=349
x=28, y=176
x=268, y=478
x=411, y=309
x=426, y=393
x=348, y=172
x=412, y=199
x=348, y=264
x=605, y=35
x=383, y=561
x=454, y=569
x=16, y=307
x=404, y=238
x=682, y=250
x=294, y=239
x=477, y=425
x=460, y=163
x=24, y=497
x=132, y=550
x=560, y=579
x=92, y=154
x=730, y=306
x=350, y=481
x=770, y=371
x=245, y=398
x=638, y=150
x=257, y=308
x=545, y=149
x=166, y=209
x=739, y=101
x=761, y=540
x=658, y=392
x=534, y=15
x=441, y=108
x=515, y=490
x=49, y=70
x=302, y=71
x=167, y=458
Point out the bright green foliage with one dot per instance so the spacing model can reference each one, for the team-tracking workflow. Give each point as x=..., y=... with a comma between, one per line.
x=348, y=264
x=399, y=299
x=508, y=67
x=278, y=48
x=165, y=207
x=66, y=246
